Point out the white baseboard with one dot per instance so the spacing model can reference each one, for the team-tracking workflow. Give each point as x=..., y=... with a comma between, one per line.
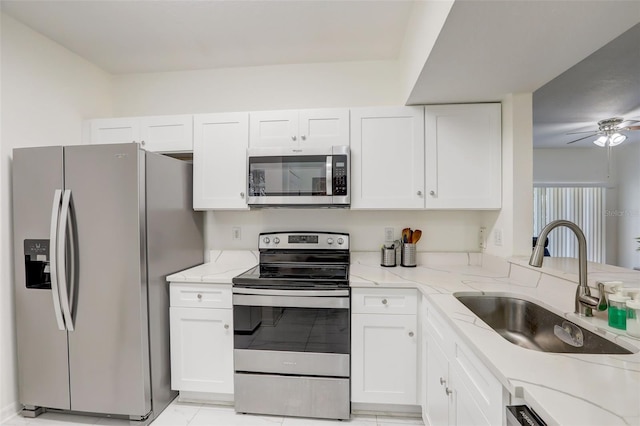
x=9, y=411
x=397, y=410
x=206, y=397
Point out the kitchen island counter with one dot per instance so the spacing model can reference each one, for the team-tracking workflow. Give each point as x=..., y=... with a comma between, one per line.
x=565, y=389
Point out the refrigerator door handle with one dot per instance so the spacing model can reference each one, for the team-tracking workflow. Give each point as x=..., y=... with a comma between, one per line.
x=64, y=263
x=53, y=257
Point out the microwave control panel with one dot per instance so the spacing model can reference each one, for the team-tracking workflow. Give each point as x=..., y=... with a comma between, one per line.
x=340, y=174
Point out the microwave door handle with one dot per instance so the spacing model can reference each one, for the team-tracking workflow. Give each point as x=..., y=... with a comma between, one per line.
x=329, y=184
x=63, y=263
x=53, y=257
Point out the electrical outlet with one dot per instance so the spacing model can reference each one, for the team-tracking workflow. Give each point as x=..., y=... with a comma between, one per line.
x=389, y=234
x=482, y=237
x=497, y=237
x=236, y=233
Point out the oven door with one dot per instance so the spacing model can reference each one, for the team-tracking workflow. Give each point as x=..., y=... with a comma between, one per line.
x=298, y=176
x=292, y=332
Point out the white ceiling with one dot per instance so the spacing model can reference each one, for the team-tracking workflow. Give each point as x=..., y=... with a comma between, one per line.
x=485, y=50
x=155, y=36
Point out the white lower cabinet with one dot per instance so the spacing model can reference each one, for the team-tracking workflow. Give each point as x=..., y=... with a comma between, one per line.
x=201, y=338
x=459, y=389
x=440, y=402
x=384, y=346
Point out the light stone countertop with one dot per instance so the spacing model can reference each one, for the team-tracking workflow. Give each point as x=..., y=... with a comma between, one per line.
x=224, y=265
x=564, y=389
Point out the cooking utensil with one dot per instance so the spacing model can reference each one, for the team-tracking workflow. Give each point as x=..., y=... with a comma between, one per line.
x=415, y=236
x=406, y=235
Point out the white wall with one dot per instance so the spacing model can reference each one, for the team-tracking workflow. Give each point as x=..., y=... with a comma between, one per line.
x=258, y=88
x=579, y=166
x=628, y=208
x=47, y=92
x=515, y=219
x=442, y=230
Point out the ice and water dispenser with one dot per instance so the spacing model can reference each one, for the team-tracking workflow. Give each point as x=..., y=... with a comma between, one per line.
x=36, y=259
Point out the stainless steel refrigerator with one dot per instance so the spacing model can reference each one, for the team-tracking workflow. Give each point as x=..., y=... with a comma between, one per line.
x=97, y=228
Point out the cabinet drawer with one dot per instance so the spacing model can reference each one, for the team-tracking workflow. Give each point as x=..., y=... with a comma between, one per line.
x=201, y=295
x=384, y=301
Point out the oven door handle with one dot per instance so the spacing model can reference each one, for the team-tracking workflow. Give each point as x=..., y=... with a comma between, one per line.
x=290, y=301
x=296, y=293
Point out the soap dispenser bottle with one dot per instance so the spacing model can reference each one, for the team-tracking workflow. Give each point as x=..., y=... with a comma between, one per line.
x=633, y=315
x=618, y=309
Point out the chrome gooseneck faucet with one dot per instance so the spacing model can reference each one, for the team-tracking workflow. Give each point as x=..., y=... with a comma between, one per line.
x=584, y=301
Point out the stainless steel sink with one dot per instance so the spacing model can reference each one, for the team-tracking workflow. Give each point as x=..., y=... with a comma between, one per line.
x=531, y=326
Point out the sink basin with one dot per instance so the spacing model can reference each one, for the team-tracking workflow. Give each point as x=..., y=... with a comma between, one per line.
x=531, y=326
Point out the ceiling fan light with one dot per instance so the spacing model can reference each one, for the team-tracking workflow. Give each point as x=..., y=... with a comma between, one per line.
x=601, y=141
x=616, y=139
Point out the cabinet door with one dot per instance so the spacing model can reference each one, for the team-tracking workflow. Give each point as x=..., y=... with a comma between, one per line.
x=387, y=158
x=463, y=156
x=323, y=127
x=202, y=350
x=440, y=396
x=170, y=133
x=220, y=161
x=115, y=130
x=384, y=363
x=273, y=128
x=467, y=411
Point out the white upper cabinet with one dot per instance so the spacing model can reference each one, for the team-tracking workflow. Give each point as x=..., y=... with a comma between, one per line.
x=220, y=161
x=316, y=127
x=463, y=145
x=115, y=130
x=168, y=133
x=387, y=158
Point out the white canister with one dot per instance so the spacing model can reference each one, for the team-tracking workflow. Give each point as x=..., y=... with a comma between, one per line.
x=633, y=314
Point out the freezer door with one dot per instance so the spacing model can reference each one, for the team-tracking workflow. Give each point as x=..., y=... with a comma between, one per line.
x=43, y=374
x=109, y=348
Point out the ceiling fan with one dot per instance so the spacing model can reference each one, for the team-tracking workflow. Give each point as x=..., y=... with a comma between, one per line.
x=609, y=131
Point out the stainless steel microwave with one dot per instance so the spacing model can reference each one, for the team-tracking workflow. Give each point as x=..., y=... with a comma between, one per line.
x=298, y=177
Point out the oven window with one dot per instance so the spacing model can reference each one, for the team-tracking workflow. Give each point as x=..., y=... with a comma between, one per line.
x=273, y=328
x=288, y=175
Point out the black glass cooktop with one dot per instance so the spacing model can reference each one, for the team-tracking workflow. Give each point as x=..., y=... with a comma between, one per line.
x=294, y=276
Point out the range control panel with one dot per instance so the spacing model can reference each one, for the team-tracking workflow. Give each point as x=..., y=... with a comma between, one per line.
x=304, y=240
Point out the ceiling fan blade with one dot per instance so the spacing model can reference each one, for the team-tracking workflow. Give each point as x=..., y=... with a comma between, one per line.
x=576, y=133
x=631, y=128
x=577, y=140
x=631, y=121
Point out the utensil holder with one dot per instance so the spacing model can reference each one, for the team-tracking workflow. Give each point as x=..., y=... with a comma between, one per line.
x=408, y=258
x=388, y=256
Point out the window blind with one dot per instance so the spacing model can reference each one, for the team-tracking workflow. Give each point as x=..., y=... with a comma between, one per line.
x=582, y=205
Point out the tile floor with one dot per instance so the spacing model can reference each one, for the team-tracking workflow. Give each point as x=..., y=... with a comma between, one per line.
x=187, y=414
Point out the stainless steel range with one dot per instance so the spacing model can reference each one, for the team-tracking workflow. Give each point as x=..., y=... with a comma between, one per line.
x=292, y=327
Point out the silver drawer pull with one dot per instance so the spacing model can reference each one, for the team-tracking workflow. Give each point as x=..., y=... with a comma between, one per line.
x=448, y=391
x=411, y=334
x=384, y=301
x=199, y=296
x=442, y=381
x=226, y=326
